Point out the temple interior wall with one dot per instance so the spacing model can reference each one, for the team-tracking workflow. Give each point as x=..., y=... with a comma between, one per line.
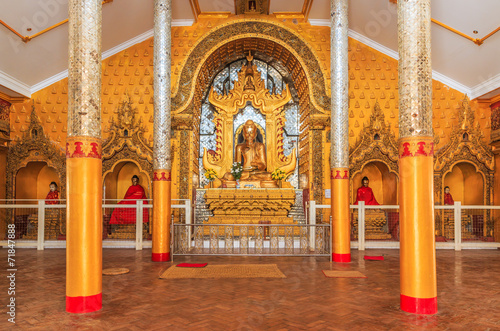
x=373, y=77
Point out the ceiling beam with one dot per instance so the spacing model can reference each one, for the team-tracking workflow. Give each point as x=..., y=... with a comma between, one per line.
x=195, y=7
x=25, y=39
x=306, y=9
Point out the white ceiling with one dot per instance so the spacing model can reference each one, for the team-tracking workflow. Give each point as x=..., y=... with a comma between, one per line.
x=27, y=67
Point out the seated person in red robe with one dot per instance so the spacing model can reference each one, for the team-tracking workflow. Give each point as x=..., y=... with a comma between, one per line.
x=127, y=215
x=448, y=199
x=365, y=194
x=52, y=197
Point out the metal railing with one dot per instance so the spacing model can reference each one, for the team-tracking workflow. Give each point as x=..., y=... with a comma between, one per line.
x=41, y=225
x=252, y=239
x=456, y=226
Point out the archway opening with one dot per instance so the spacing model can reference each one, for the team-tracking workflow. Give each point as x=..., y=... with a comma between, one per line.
x=117, y=182
x=280, y=66
x=383, y=182
x=466, y=184
x=120, y=223
x=32, y=181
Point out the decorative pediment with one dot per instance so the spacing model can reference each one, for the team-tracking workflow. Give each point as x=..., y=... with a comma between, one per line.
x=35, y=146
x=466, y=143
x=126, y=131
x=377, y=142
x=249, y=87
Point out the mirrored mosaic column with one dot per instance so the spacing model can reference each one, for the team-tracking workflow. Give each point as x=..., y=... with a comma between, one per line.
x=162, y=163
x=339, y=154
x=416, y=151
x=84, y=165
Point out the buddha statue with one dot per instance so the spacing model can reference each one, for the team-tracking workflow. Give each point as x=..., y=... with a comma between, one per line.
x=252, y=155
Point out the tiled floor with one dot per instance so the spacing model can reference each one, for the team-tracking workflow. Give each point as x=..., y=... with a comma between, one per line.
x=468, y=295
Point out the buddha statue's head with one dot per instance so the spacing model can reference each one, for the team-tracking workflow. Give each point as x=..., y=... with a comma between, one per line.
x=249, y=131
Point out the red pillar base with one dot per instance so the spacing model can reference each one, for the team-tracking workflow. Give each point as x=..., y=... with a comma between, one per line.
x=342, y=258
x=160, y=257
x=412, y=305
x=87, y=304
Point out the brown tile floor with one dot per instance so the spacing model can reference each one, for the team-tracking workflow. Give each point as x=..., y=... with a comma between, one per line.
x=468, y=295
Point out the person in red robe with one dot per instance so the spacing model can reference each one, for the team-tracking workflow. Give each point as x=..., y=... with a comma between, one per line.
x=448, y=199
x=127, y=215
x=365, y=194
x=52, y=197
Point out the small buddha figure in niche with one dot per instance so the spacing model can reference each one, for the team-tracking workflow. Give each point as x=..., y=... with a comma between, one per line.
x=448, y=199
x=52, y=197
x=127, y=215
x=252, y=155
x=365, y=194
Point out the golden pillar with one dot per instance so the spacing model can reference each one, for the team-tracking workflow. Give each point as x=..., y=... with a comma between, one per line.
x=162, y=163
x=84, y=165
x=416, y=150
x=339, y=154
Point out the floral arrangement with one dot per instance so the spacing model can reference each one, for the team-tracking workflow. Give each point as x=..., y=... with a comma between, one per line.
x=236, y=170
x=210, y=174
x=278, y=174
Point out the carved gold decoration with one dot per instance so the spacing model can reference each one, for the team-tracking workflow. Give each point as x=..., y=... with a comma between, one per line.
x=126, y=141
x=230, y=204
x=249, y=88
x=377, y=143
x=466, y=144
x=35, y=146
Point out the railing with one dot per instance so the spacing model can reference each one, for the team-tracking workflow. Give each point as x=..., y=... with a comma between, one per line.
x=41, y=225
x=456, y=226
x=252, y=239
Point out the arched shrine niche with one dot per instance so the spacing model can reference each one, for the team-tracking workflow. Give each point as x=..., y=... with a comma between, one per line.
x=274, y=44
x=249, y=89
x=375, y=156
x=33, y=180
x=466, y=184
x=383, y=182
x=118, y=180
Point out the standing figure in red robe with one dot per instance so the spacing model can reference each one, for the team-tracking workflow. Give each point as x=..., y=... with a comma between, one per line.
x=127, y=215
x=52, y=197
x=448, y=199
x=365, y=194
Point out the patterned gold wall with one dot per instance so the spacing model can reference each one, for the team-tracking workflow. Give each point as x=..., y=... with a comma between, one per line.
x=372, y=77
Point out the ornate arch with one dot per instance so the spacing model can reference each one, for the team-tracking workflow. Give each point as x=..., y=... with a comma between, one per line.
x=126, y=141
x=35, y=146
x=283, y=44
x=467, y=145
x=377, y=143
x=268, y=41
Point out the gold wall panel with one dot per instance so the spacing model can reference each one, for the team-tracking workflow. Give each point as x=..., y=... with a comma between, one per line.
x=372, y=77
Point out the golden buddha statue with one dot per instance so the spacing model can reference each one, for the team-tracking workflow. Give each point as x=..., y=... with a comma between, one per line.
x=252, y=155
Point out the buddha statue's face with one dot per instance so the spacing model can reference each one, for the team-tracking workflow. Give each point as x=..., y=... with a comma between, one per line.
x=52, y=187
x=135, y=180
x=249, y=131
x=366, y=182
x=447, y=190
